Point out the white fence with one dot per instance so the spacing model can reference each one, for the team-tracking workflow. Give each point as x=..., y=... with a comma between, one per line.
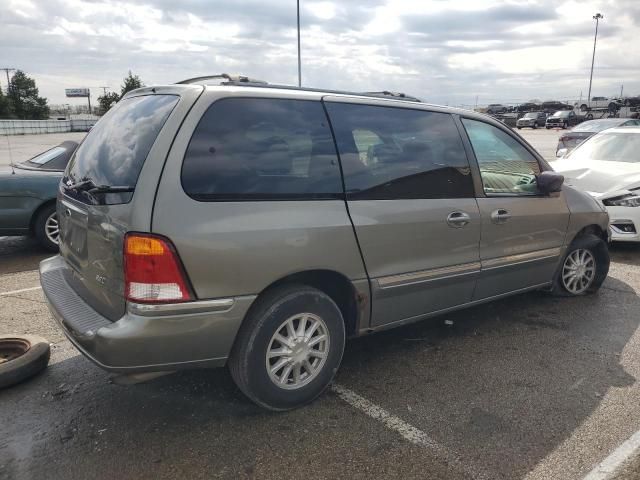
x=23, y=127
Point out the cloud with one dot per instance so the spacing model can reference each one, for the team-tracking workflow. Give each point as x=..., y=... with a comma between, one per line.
x=444, y=51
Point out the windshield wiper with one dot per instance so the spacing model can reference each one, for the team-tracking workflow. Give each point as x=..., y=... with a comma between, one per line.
x=111, y=189
x=81, y=185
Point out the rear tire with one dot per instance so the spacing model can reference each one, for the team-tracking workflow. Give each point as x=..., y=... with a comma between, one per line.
x=289, y=313
x=587, y=253
x=46, y=228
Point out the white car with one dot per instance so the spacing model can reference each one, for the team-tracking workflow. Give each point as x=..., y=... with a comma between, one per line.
x=607, y=166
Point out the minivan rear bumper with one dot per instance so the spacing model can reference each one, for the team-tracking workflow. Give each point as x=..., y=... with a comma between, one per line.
x=148, y=338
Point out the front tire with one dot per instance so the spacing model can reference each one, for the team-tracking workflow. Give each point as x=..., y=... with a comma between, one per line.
x=583, y=268
x=289, y=347
x=46, y=228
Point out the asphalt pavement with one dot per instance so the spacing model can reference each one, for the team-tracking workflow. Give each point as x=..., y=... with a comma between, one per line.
x=530, y=387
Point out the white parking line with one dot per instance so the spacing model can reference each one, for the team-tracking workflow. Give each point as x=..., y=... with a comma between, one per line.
x=611, y=465
x=407, y=431
x=12, y=292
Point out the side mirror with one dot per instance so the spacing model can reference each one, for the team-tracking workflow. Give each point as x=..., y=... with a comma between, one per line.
x=562, y=152
x=550, y=182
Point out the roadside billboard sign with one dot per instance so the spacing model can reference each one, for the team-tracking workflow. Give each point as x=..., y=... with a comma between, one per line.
x=76, y=92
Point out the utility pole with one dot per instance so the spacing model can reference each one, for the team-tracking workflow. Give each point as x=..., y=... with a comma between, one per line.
x=104, y=90
x=299, y=59
x=597, y=18
x=621, y=90
x=7, y=70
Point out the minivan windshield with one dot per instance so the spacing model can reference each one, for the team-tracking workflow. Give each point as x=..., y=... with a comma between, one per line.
x=532, y=115
x=609, y=147
x=561, y=114
x=115, y=149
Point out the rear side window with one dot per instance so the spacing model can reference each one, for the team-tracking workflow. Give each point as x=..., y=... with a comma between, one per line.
x=396, y=153
x=115, y=149
x=271, y=149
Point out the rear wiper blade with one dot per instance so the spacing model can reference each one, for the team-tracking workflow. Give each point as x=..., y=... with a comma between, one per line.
x=111, y=189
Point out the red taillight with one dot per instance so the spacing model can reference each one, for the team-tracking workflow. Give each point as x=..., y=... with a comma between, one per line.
x=152, y=270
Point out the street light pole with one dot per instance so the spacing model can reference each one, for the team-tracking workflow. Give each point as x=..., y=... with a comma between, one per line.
x=299, y=60
x=597, y=18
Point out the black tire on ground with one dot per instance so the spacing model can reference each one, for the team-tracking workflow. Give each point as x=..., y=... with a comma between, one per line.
x=248, y=362
x=600, y=251
x=39, y=229
x=519, y=128
x=535, y=125
x=548, y=128
x=21, y=357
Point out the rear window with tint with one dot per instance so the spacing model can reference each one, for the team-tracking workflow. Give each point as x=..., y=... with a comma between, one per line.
x=271, y=149
x=116, y=147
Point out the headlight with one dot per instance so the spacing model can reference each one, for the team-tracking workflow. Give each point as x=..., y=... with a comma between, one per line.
x=629, y=200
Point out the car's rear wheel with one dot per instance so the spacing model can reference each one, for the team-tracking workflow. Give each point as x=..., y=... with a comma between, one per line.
x=47, y=229
x=289, y=347
x=583, y=107
x=584, y=267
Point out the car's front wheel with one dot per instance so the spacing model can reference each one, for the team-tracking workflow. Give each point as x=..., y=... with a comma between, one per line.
x=584, y=267
x=46, y=228
x=289, y=347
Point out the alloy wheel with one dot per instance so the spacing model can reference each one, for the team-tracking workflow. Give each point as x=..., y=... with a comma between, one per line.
x=297, y=351
x=578, y=271
x=52, y=228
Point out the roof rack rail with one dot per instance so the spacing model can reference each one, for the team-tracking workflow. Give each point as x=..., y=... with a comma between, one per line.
x=387, y=93
x=242, y=80
x=230, y=79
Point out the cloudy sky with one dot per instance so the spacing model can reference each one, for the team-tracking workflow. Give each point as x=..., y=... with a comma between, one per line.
x=444, y=51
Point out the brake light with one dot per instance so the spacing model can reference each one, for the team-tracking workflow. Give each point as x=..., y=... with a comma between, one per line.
x=153, y=272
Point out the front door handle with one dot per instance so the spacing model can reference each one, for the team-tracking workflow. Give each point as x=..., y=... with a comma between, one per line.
x=458, y=219
x=500, y=216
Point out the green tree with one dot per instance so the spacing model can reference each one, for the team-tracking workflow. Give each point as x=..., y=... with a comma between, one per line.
x=24, y=98
x=108, y=100
x=5, y=111
x=131, y=82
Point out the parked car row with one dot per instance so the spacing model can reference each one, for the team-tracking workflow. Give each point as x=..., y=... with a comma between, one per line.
x=561, y=118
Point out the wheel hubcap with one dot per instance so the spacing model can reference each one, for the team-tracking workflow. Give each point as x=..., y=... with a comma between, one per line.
x=52, y=229
x=578, y=271
x=297, y=351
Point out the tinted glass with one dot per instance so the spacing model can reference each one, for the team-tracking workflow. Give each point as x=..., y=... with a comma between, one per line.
x=505, y=165
x=115, y=149
x=396, y=153
x=561, y=114
x=48, y=155
x=609, y=147
x=245, y=148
